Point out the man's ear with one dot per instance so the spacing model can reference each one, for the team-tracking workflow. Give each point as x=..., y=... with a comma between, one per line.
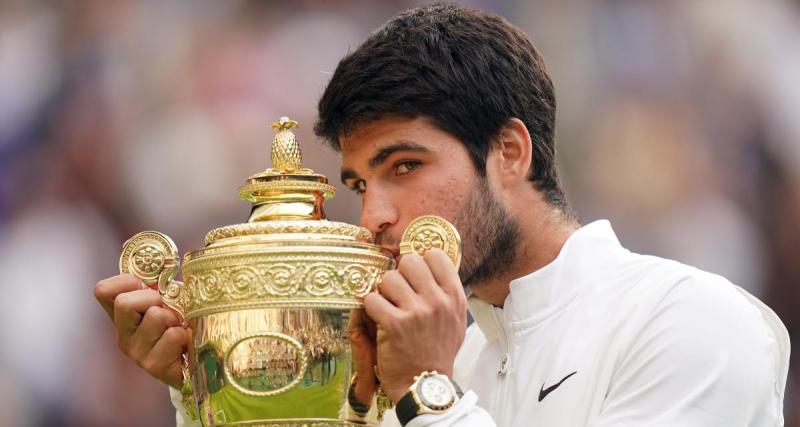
x=510, y=154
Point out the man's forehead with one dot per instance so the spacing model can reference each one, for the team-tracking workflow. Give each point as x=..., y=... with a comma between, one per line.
x=367, y=139
x=361, y=137
x=389, y=127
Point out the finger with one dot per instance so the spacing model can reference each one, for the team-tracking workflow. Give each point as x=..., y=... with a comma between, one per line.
x=418, y=274
x=362, y=336
x=164, y=359
x=444, y=273
x=108, y=289
x=155, y=322
x=397, y=290
x=129, y=308
x=173, y=374
x=356, y=320
x=372, y=328
x=359, y=326
x=379, y=308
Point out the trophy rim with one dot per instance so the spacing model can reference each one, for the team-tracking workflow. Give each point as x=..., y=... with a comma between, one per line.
x=320, y=229
x=298, y=244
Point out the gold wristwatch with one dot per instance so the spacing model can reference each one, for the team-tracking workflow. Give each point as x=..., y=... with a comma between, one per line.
x=431, y=393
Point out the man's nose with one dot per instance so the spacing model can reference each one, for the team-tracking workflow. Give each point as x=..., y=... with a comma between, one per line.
x=378, y=212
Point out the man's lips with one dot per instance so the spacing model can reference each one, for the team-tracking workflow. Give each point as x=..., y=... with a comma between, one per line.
x=395, y=253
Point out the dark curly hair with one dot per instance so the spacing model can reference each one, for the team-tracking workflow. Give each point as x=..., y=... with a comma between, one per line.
x=465, y=70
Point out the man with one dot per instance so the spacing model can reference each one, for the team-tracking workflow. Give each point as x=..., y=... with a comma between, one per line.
x=450, y=111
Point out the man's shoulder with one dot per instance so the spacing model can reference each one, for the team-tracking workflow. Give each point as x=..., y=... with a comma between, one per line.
x=655, y=286
x=680, y=330
x=648, y=277
x=668, y=295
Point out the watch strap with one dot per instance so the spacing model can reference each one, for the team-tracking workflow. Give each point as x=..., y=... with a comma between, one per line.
x=406, y=409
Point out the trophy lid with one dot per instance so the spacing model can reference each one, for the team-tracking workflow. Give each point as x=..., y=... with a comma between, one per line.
x=288, y=200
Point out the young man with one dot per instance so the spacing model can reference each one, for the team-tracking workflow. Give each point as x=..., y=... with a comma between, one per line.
x=450, y=111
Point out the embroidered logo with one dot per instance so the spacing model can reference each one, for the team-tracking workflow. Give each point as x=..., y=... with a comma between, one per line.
x=543, y=392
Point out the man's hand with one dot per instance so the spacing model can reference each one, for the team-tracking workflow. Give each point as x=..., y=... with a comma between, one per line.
x=421, y=314
x=147, y=331
x=362, y=332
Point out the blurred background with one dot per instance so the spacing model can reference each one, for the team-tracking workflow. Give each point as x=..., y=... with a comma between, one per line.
x=678, y=120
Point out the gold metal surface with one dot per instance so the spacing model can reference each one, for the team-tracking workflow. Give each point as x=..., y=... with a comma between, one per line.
x=268, y=301
x=147, y=254
x=286, y=154
x=314, y=228
x=286, y=191
x=428, y=232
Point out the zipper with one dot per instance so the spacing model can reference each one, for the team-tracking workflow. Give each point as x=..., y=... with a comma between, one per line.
x=503, y=366
x=505, y=361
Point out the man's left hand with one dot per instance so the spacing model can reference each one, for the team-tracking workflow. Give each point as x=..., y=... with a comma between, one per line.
x=421, y=314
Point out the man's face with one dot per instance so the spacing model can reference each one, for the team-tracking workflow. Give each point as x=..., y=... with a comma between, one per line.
x=404, y=168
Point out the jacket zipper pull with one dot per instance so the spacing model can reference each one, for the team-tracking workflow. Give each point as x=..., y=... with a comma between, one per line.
x=503, y=365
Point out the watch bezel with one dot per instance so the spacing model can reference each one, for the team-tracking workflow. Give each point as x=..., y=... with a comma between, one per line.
x=427, y=407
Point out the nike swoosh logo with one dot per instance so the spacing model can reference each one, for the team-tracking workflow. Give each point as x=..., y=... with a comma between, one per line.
x=543, y=392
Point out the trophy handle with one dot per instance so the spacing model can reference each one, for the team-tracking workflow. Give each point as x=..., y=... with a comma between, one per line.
x=172, y=291
x=153, y=258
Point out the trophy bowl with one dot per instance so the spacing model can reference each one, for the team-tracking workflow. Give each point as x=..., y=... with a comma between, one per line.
x=268, y=301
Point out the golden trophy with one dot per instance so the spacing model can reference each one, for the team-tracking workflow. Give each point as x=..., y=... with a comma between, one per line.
x=268, y=301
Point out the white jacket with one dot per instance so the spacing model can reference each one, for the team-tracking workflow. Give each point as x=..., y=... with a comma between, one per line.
x=605, y=337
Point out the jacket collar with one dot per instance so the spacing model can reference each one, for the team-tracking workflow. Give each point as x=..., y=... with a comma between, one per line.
x=538, y=295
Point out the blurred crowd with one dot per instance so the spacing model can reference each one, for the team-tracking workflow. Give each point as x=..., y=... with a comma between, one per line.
x=678, y=120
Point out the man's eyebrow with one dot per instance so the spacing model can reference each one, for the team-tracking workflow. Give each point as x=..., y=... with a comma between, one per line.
x=400, y=145
x=348, y=174
x=382, y=155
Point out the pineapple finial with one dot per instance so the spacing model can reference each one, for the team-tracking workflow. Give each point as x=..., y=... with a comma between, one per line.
x=286, y=156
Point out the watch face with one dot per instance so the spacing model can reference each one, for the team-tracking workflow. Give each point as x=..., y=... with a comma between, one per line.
x=436, y=392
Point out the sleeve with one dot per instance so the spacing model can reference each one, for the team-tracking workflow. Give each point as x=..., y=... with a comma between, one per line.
x=708, y=355
x=348, y=413
x=465, y=413
x=182, y=419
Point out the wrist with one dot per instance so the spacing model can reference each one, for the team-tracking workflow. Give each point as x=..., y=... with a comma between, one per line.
x=396, y=393
x=363, y=391
x=360, y=394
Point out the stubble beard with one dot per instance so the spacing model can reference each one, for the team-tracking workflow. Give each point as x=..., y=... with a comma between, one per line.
x=489, y=237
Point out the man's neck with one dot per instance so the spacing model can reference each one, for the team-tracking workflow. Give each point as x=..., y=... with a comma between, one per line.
x=540, y=241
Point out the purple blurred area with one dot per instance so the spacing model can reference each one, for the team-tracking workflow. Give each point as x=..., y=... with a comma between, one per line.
x=679, y=121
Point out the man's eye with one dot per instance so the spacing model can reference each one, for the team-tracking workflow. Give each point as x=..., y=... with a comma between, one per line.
x=406, y=167
x=360, y=186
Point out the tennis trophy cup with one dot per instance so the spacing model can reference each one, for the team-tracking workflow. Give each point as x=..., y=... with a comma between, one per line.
x=268, y=301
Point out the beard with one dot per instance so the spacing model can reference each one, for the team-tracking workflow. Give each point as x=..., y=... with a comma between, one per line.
x=489, y=237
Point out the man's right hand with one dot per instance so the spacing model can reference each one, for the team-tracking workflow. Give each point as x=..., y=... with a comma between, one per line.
x=147, y=331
